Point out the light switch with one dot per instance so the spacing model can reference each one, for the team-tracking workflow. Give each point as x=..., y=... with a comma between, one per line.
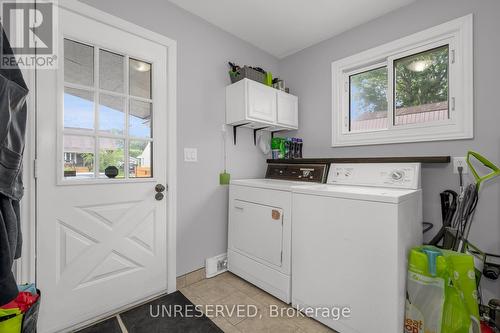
x=190, y=155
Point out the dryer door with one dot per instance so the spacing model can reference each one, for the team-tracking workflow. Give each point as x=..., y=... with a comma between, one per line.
x=258, y=231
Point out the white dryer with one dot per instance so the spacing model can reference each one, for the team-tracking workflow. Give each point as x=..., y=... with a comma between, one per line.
x=260, y=217
x=350, y=239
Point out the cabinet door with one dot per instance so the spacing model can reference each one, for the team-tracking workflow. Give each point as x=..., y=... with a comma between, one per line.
x=261, y=102
x=288, y=110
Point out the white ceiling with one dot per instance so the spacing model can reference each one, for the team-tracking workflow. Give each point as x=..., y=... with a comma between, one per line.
x=283, y=27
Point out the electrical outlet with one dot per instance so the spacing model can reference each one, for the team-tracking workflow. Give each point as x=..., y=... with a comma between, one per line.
x=222, y=264
x=190, y=155
x=460, y=162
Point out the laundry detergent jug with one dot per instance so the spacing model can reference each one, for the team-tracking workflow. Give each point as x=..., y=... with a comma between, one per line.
x=441, y=294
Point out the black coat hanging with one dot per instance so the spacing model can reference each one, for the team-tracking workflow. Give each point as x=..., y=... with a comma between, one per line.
x=13, y=110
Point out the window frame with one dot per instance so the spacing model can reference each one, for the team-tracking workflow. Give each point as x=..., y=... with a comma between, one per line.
x=96, y=134
x=458, y=35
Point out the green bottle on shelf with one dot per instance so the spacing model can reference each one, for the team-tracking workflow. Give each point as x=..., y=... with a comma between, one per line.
x=269, y=79
x=283, y=148
x=275, y=148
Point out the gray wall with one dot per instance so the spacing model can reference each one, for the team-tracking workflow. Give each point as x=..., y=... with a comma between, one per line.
x=308, y=74
x=203, y=52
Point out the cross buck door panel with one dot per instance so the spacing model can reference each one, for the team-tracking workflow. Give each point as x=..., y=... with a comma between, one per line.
x=102, y=223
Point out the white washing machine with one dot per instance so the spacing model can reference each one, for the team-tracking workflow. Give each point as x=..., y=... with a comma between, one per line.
x=350, y=239
x=259, y=233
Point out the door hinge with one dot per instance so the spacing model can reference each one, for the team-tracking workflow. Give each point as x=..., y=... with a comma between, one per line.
x=452, y=56
x=281, y=260
x=35, y=169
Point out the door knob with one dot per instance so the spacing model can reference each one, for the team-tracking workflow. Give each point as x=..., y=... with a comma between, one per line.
x=159, y=196
x=159, y=188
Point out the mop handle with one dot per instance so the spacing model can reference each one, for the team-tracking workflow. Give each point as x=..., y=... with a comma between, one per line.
x=495, y=171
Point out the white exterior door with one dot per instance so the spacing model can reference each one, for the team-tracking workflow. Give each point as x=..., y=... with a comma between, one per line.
x=101, y=241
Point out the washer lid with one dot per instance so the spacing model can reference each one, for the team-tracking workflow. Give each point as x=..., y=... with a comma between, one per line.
x=380, y=194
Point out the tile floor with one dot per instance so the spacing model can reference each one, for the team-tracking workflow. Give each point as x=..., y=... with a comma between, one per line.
x=223, y=289
x=228, y=289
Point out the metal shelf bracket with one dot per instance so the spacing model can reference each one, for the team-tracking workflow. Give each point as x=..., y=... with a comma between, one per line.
x=235, y=128
x=255, y=130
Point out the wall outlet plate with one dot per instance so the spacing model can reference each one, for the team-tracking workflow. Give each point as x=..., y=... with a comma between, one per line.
x=190, y=155
x=460, y=162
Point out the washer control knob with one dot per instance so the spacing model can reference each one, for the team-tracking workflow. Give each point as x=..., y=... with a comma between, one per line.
x=397, y=175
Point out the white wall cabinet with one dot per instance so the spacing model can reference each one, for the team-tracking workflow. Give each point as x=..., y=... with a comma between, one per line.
x=261, y=102
x=288, y=109
x=256, y=105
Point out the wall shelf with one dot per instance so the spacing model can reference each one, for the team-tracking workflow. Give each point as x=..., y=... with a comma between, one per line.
x=395, y=159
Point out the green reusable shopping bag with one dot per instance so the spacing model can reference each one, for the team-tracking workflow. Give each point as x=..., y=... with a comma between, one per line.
x=441, y=292
x=13, y=324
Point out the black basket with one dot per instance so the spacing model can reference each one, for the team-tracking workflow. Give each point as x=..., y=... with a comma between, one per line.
x=249, y=73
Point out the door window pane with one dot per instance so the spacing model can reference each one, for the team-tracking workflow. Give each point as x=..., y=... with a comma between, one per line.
x=111, y=76
x=140, y=78
x=140, y=119
x=111, y=154
x=78, y=109
x=141, y=158
x=111, y=114
x=421, y=87
x=107, y=116
x=78, y=63
x=368, y=100
x=79, y=158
